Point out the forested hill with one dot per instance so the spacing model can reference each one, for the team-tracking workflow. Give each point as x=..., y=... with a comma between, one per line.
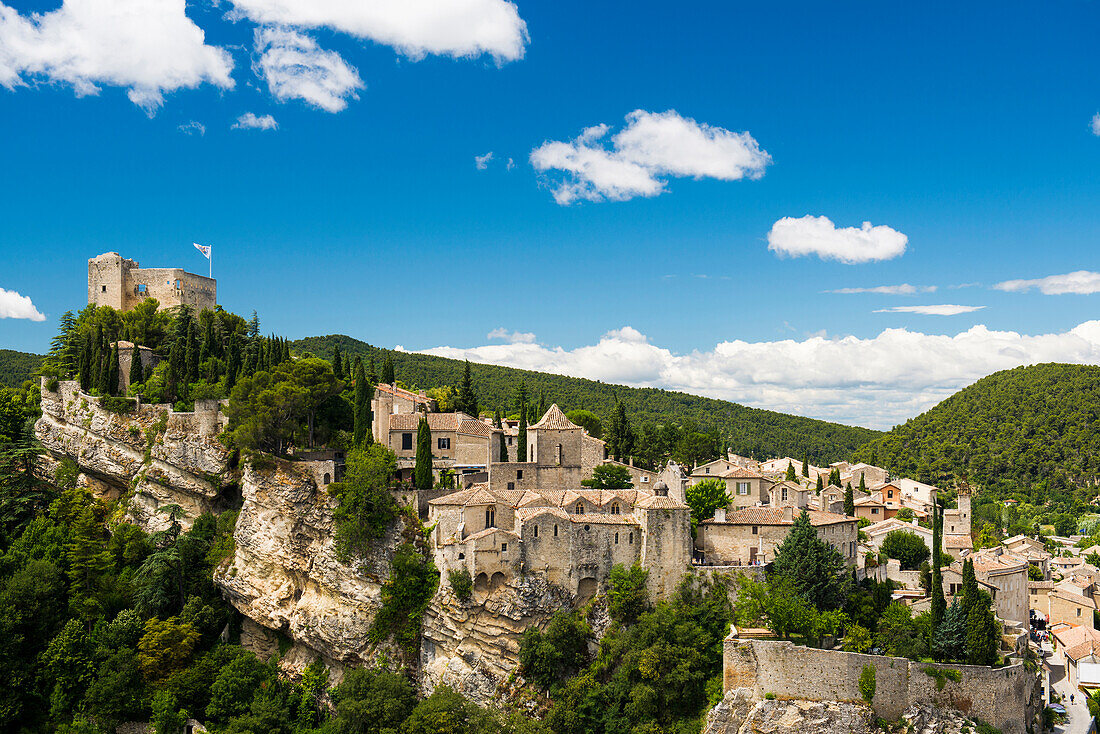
x=748, y=431
x=1030, y=428
x=15, y=367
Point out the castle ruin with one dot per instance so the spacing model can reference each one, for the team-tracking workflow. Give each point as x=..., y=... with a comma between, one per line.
x=122, y=284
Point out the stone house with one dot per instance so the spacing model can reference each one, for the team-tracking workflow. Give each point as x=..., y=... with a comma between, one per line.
x=745, y=487
x=1063, y=606
x=918, y=493
x=1083, y=665
x=460, y=443
x=1065, y=565
x=1037, y=592
x=871, y=475
x=1032, y=551
x=121, y=283
x=877, y=532
x=639, y=476
x=391, y=400
x=749, y=536
x=873, y=509
x=1008, y=574
x=785, y=493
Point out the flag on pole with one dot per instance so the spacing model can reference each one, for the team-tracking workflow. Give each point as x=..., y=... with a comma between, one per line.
x=204, y=249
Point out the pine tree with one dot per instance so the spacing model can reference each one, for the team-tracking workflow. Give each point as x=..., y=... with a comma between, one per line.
x=254, y=326
x=361, y=407
x=422, y=470
x=388, y=375
x=791, y=476
x=983, y=633
x=849, y=500
x=949, y=639
x=337, y=363
x=467, y=398
x=939, y=605
x=806, y=465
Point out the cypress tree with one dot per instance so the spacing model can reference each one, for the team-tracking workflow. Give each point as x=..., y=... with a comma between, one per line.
x=337, y=363
x=254, y=325
x=791, y=476
x=86, y=363
x=498, y=421
x=521, y=441
x=983, y=634
x=862, y=483
x=939, y=605
x=849, y=500
x=821, y=486
x=232, y=362
x=542, y=404
x=361, y=408
x=372, y=376
x=388, y=375
x=192, y=354
x=467, y=398
x=503, y=447
x=137, y=376
x=422, y=470
x=969, y=586
x=347, y=366
x=113, y=372
x=806, y=465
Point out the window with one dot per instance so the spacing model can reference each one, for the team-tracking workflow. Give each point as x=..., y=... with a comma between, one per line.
x=142, y=288
x=555, y=531
x=742, y=488
x=557, y=455
x=490, y=517
x=536, y=531
x=616, y=538
x=406, y=441
x=104, y=289
x=645, y=480
x=328, y=478
x=890, y=494
x=519, y=474
x=874, y=510
x=708, y=470
x=579, y=509
x=511, y=486
x=443, y=443
x=755, y=529
x=503, y=547
x=784, y=494
x=511, y=439
x=614, y=508
x=630, y=539
x=587, y=527
x=1078, y=611
x=461, y=556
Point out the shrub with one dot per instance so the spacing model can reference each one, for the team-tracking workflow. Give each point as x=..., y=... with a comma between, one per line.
x=52, y=385
x=769, y=696
x=867, y=683
x=118, y=405
x=461, y=583
x=405, y=596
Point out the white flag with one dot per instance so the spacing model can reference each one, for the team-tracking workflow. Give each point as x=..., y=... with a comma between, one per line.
x=205, y=250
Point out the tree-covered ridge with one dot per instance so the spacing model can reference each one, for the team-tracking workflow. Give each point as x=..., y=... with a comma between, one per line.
x=747, y=431
x=1031, y=429
x=15, y=367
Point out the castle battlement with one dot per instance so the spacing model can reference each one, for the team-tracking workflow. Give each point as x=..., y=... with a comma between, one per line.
x=122, y=284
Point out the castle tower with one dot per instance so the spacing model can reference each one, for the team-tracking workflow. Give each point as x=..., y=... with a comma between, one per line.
x=666, y=540
x=964, y=511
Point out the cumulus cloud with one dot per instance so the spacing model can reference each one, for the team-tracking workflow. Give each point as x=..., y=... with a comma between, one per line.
x=941, y=309
x=457, y=28
x=1081, y=282
x=639, y=159
x=192, y=128
x=148, y=47
x=810, y=235
x=512, y=337
x=1095, y=124
x=482, y=161
x=15, y=306
x=890, y=290
x=295, y=67
x=877, y=382
x=251, y=121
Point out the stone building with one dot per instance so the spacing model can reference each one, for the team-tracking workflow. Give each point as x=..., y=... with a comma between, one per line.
x=460, y=443
x=121, y=283
x=749, y=536
x=956, y=523
x=746, y=487
x=1007, y=573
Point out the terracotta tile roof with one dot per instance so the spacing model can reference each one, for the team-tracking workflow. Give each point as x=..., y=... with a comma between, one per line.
x=1083, y=601
x=401, y=393
x=474, y=427
x=958, y=542
x=740, y=472
x=653, y=502
x=436, y=421
x=1070, y=635
x=774, y=516
x=489, y=531
x=555, y=420
x=862, y=501
x=1036, y=585
x=1083, y=650
x=603, y=519
x=527, y=513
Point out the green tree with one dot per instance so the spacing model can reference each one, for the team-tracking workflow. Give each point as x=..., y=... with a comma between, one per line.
x=949, y=642
x=983, y=632
x=867, y=683
x=548, y=657
x=370, y=701
x=620, y=434
x=849, y=499
x=137, y=375
x=806, y=466
x=467, y=396
x=791, y=476
x=939, y=604
x=609, y=476
x=587, y=420
x=405, y=595
x=626, y=597
x=165, y=647
x=970, y=588
x=422, y=470
x=337, y=363
x=361, y=407
x=816, y=569
x=364, y=504
x=88, y=558
x=235, y=686
x=897, y=634
x=705, y=497
x=388, y=376
x=521, y=406
x=264, y=411
x=907, y=547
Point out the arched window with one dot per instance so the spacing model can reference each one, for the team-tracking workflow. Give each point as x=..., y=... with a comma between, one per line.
x=555, y=531
x=536, y=531
x=557, y=456
x=579, y=509
x=615, y=509
x=616, y=538
x=630, y=539
x=328, y=478
x=490, y=517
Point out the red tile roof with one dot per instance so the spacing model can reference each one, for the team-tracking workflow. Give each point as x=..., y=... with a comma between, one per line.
x=555, y=420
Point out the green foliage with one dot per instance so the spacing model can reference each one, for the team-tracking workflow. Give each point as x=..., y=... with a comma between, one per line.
x=461, y=583
x=849, y=498
x=546, y=658
x=867, y=683
x=907, y=547
x=857, y=639
x=705, y=497
x=364, y=503
x=815, y=569
x=983, y=632
x=118, y=405
x=942, y=675
x=467, y=402
x=609, y=476
x=422, y=469
x=776, y=604
x=791, y=476
x=369, y=701
x=405, y=595
x=899, y=634
x=16, y=367
x=626, y=597
x=746, y=431
x=165, y=647
x=587, y=420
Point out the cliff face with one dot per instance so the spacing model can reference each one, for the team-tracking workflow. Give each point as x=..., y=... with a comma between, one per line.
x=153, y=456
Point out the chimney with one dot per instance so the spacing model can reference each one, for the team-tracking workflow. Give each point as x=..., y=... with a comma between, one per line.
x=788, y=512
x=720, y=514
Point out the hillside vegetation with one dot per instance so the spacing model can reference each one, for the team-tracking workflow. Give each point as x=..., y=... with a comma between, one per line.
x=17, y=366
x=747, y=431
x=1032, y=431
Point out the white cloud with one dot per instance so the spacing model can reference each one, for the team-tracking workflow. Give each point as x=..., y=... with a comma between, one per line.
x=878, y=382
x=482, y=161
x=251, y=121
x=511, y=165
x=1095, y=124
x=15, y=306
x=295, y=67
x=942, y=309
x=652, y=147
x=192, y=128
x=1080, y=282
x=148, y=47
x=890, y=290
x=812, y=235
x=456, y=28
x=512, y=337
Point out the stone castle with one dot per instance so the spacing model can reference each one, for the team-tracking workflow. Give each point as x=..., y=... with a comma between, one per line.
x=122, y=284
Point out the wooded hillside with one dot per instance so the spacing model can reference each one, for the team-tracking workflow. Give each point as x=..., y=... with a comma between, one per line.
x=17, y=366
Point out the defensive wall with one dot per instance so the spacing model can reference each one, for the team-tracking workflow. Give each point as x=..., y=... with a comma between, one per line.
x=1008, y=697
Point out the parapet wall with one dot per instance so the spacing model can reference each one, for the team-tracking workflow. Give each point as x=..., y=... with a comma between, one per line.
x=1004, y=697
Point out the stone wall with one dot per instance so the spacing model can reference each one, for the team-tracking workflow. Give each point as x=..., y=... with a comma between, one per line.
x=121, y=284
x=1004, y=697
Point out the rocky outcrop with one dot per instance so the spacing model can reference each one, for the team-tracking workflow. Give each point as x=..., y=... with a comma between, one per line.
x=740, y=713
x=474, y=646
x=151, y=456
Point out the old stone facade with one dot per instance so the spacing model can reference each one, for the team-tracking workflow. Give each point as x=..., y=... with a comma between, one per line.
x=750, y=536
x=121, y=283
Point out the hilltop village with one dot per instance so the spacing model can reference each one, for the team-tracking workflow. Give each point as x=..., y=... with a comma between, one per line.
x=364, y=521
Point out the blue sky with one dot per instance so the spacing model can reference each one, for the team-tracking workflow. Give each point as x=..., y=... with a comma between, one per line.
x=963, y=128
